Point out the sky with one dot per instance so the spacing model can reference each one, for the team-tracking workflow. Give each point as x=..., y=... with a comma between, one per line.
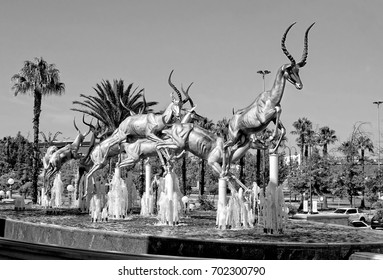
x=217, y=44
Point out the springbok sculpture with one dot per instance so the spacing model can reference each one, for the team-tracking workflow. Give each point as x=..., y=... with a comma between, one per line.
x=145, y=125
x=203, y=144
x=267, y=106
x=64, y=154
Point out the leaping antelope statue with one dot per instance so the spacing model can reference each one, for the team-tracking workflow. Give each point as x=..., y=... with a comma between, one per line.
x=137, y=136
x=147, y=126
x=267, y=106
x=62, y=155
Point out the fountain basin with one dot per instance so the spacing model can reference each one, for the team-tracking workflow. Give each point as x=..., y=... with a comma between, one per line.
x=143, y=243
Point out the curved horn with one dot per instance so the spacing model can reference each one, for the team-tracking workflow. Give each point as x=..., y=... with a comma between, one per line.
x=126, y=107
x=145, y=105
x=88, y=124
x=75, y=126
x=306, y=47
x=186, y=93
x=174, y=87
x=285, y=51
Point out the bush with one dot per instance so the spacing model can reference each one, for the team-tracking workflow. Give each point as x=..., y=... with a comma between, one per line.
x=292, y=209
x=378, y=204
x=206, y=204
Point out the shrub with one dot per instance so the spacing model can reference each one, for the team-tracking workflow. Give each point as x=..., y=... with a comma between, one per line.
x=206, y=204
x=292, y=209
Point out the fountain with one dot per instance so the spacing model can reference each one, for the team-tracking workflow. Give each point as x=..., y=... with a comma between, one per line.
x=56, y=200
x=147, y=200
x=169, y=203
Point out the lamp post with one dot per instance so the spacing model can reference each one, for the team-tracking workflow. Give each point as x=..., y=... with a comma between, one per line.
x=289, y=168
x=10, y=183
x=378, y=103
x=263, y=73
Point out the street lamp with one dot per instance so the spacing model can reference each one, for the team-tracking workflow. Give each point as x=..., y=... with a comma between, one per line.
x=263, y=73
x=289, y=168
x=378, y=103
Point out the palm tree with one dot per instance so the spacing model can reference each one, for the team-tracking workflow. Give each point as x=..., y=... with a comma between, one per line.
x=39, y=79
x=302, y=127
x=106, y=105
x=364, y=143
x=48, y=140
x=326, y=136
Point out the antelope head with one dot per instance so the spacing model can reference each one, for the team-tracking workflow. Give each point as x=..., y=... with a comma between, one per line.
x=176, y=102
x=291, y=71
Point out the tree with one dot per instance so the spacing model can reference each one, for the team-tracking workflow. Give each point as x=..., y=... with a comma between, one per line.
x=48, y=140
x=350, y=176
x=363, y=142
x=39, y=79
x=106, y=105
x=326, y=136
x=113, y=104
x=302, y=126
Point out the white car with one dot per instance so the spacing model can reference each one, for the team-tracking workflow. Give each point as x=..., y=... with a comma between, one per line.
x=353, y=213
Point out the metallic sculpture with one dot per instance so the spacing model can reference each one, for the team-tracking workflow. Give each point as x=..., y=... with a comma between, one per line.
x=131, y=153
x=146, y=125
x=138, y=135
x=203, y=144
x=267, y=106
x=46, y=158
x=64, y=154
x=85, y=163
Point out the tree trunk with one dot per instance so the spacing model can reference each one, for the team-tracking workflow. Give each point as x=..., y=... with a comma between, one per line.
x=258, y=171
x=362, y=203
x=184, y=175
x=325, y=152
x=241, y=169
x=325, y=206
x=306, y=152
x=202, y=178
x=36, y=151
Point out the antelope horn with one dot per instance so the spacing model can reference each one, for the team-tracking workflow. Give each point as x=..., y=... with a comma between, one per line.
x=306, y=47
x=75, y=126
x=143, y=109
x=91, y=126
x=285, y=51
x=126, y=107
x=174, y=87
x=186, y=93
